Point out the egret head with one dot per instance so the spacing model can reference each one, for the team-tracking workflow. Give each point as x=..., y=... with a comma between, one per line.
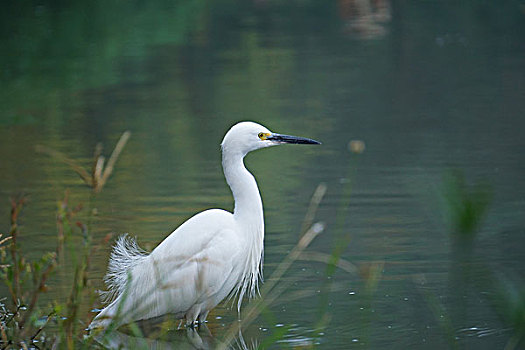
x=245, y=137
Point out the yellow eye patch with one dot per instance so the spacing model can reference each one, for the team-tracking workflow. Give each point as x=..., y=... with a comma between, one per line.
x=263, y=135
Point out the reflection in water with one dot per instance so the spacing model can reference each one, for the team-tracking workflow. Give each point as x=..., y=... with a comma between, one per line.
x=162, y=334
x=179, y=339
x=365, y=18
x=444, y=88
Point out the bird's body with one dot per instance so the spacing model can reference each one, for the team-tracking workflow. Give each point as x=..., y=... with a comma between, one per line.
x=212, y=255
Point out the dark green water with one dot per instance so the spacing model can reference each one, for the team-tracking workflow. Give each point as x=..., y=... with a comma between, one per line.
x=428, y=86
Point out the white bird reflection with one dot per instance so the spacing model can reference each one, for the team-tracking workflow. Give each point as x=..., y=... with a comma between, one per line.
x=153, y=335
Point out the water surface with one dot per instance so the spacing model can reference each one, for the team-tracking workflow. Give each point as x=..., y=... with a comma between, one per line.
x=428, y=86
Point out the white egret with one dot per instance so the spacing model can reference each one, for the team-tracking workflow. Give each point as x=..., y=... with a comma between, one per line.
x=212, y=255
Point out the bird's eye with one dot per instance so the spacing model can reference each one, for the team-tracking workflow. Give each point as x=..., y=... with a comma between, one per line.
x=262, y=136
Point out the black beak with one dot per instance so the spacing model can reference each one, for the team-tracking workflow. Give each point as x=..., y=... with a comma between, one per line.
x=292, y=139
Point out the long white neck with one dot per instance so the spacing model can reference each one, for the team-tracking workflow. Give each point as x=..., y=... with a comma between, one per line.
x=248, y=208
x=248, y=213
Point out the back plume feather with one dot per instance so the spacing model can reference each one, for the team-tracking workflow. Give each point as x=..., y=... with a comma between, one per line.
x=125, y=256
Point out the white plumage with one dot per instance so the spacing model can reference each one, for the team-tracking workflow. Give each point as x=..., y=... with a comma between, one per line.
x=212, y=255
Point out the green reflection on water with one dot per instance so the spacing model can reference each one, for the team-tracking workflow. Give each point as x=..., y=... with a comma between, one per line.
x=442, y=87
x=51, y=51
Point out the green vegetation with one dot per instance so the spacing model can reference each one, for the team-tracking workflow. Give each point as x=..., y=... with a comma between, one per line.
x=466, y=206
x=25, y=323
